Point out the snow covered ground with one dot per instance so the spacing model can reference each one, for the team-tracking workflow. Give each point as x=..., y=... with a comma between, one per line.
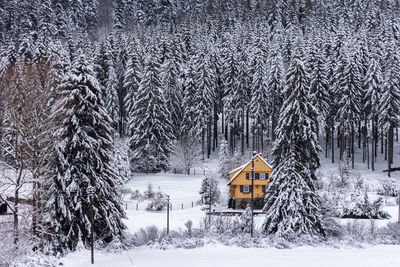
x=219, y=255
x=184, y=189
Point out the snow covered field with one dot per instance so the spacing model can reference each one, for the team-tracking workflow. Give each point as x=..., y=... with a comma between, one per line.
x=184, y=189
x=219, y=255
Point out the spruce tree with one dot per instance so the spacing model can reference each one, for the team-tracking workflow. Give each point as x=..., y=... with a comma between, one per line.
x=389, y=104
x=81, y=158
x=259, y=95
x=292, y=203
x=150, y=130
x=132, y=78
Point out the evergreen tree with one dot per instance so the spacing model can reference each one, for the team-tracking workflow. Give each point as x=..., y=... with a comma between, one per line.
x=172, y=88
x=295, y=159
x=275, y=85
x=82, y=158
x=132, y=78
x=150, y=130
x=224, y=161
x=189, y=103
x=389, y=104
x=259, y=95
x=373, y=86
x=349, y=111
x=204, y=96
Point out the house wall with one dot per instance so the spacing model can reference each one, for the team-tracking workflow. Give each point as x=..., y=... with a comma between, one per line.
x=259, y=167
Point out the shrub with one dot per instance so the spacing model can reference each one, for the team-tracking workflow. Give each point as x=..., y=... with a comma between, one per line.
x=148, y=235
x=149, y=193
x=136, y=195
x=362, y=208
x=158, y=202
x=389, y=188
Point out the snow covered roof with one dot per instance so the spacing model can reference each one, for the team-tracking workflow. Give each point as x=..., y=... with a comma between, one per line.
x=244, y=166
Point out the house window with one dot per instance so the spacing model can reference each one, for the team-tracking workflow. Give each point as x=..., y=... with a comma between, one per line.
x=264, y=188
x=246, y=189
x=262, y=176
x=257, y=176
x=248, y=176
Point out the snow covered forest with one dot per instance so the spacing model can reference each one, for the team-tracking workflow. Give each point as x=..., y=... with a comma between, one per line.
x=94, y=91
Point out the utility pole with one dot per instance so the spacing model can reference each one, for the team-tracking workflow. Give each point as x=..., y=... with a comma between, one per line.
x=399, y=207
x=90, y=191
x=252, y=193
x=209, y=202
x=167, y=214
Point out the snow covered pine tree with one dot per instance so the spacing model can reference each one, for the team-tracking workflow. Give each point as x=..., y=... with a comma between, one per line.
x=292, y=205
x=82, y=157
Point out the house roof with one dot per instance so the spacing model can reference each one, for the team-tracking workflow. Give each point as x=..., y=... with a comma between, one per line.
x=244, y=166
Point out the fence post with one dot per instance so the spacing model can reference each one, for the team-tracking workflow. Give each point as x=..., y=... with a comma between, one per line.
x=137, y=206
x=126, y=206
x=204, y=172
x=192, y=204
x=182, y=205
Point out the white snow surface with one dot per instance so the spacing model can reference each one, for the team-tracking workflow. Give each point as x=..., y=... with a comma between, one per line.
x=220, y=255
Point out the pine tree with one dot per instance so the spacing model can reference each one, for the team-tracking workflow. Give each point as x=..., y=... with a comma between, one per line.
x=373, y=86
x=224, y=162
x=189, y=103
x=259, y=95
x=295, y=160
x=172, y=88
x=204, y=97
x=111, y=101
x=82, y=157
x=275, y=85
x=132, y=78
x=349, y=111
x=150, y=130
x=389, y=104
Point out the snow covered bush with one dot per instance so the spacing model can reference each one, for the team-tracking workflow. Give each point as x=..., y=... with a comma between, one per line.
x=389, y=188
x=136, y=195
x=149, y=193
x=245, y=220
x=209, y=190
x=391, y=233
x=189, y=225
x=149, y=235
x=157, y=202
x=362, y=208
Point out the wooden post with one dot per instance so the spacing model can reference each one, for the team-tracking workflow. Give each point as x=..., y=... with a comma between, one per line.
x=167, y=215
x=126, y=206
x=137, y=206
x=192, y=204
x=399, y=209
x=252, y=193
x=91, y=193
x=182, y=205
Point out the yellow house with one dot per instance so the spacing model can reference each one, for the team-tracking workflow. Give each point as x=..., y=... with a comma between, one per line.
x=240, y=181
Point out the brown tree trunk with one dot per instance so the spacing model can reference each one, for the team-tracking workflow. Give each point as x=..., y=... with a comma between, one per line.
x=373, y=146
x=247, y=128
x=242, y=132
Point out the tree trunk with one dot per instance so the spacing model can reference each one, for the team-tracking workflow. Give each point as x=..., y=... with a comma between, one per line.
x=373, y=146
x=382, y=141
x=242, y=132
x=359, y=134
x=326, y=142
x=333, y=143
x=352, y=147
x=390, y=148
x=209, y=137
x=247, y=128
x=215, y=128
